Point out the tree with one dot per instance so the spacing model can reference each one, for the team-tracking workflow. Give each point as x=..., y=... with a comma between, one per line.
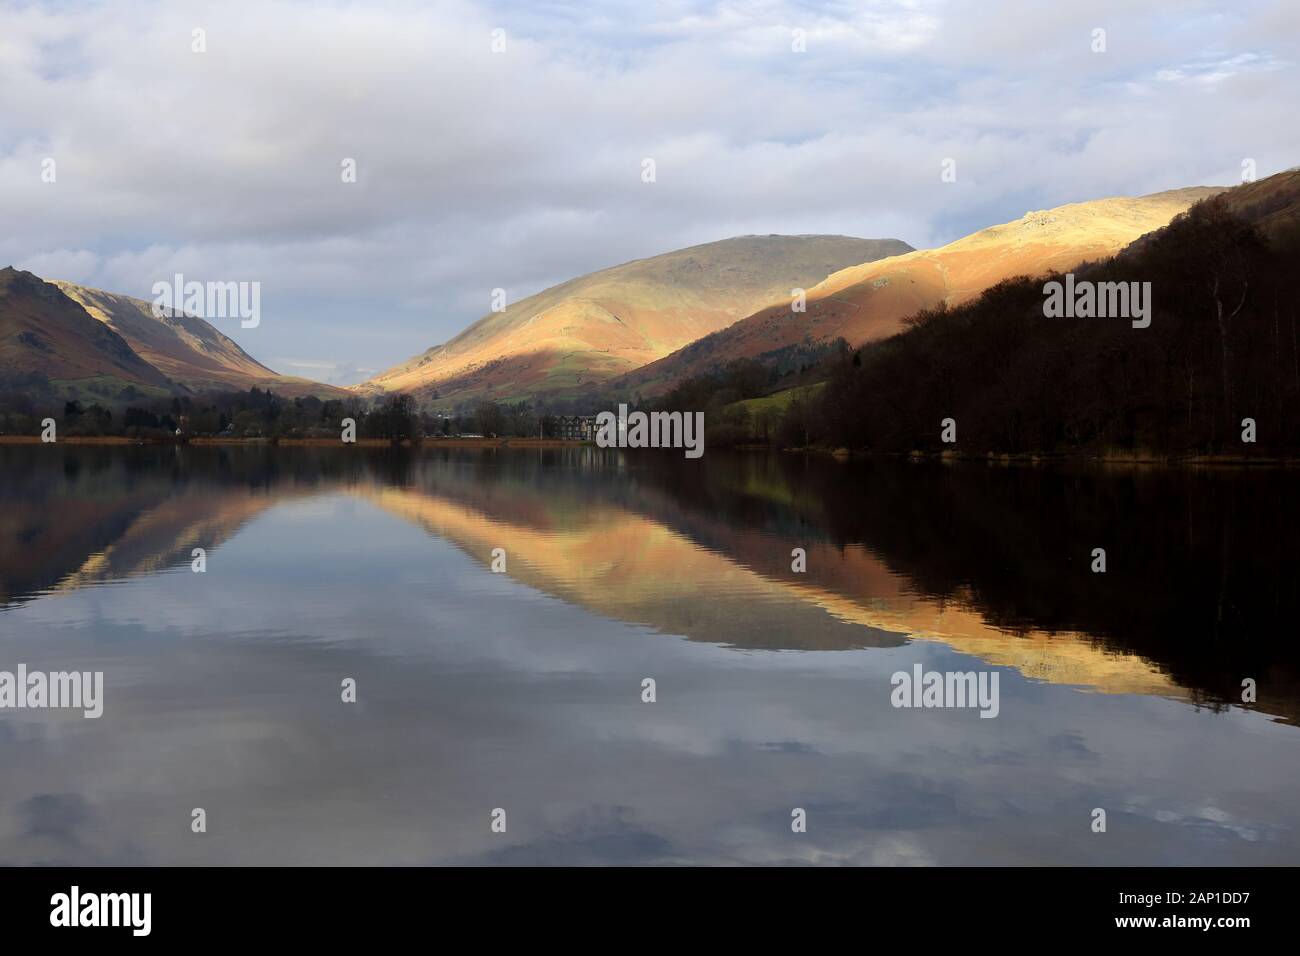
x=397, y=419
x=488, y=419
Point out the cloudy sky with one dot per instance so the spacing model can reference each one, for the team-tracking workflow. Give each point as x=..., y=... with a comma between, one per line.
x=520, y=167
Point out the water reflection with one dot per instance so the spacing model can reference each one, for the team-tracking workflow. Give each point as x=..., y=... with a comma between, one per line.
x=522, y=690
x=991, y=561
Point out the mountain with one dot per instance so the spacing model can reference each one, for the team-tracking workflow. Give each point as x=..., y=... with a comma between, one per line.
x=869, y=301
x=1212, y=369
x=187, y=349
x=45, y=333
x=85, y=339
x=595, y=327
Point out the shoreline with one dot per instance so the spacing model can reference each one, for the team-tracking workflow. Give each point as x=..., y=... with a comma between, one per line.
x=299, y=442
x=839, y=454
x=1036, y=459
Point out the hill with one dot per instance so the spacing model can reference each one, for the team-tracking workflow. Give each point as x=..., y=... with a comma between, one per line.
x=595, y=327
x=47, y=336
x=869, y=301
x=1216, y=372
x=188, y=350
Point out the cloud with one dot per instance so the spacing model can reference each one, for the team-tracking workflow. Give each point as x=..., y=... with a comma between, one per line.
x=1216, y=70
x=320, y=370
x=517, y=169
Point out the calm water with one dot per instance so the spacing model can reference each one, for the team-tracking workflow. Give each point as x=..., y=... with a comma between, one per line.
x=522, y=691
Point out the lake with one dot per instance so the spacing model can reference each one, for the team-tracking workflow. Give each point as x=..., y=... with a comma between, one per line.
x=773, y=735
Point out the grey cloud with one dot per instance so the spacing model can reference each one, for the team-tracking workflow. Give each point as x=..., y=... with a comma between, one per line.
x=516, y=170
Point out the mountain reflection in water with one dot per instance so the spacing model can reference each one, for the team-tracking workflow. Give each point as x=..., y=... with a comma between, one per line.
x=375, y=563
x=993, y=561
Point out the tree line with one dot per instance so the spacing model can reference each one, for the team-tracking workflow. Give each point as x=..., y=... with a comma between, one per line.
x=260, y=413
